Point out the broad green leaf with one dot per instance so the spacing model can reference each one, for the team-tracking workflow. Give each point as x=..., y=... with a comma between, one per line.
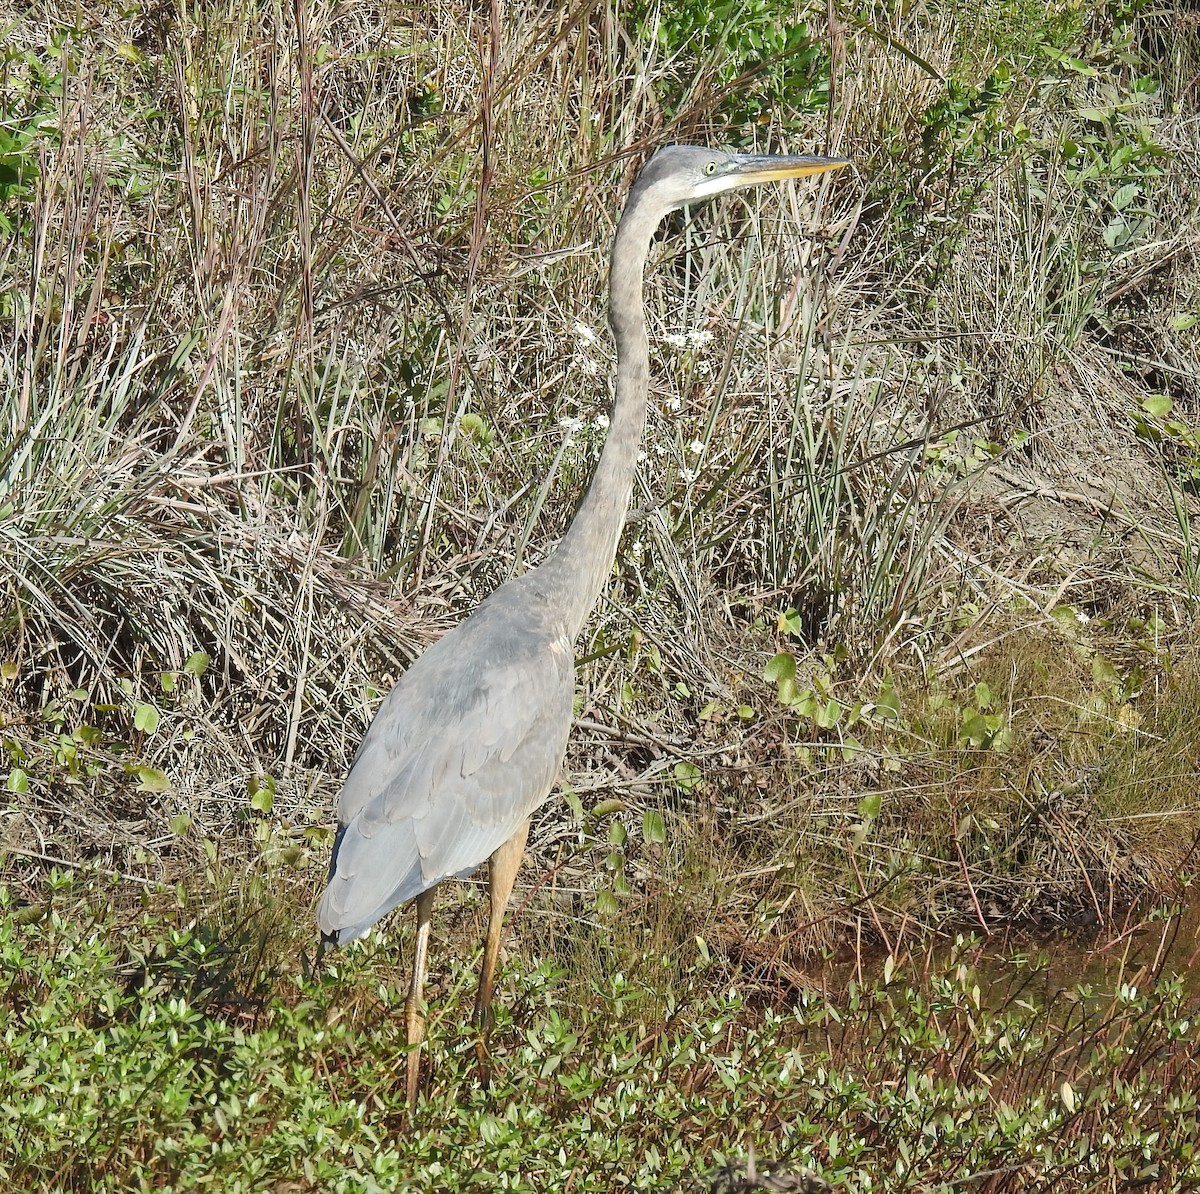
x=870, y=805
x=888, y=703
x=654, y=829
x=830, y=714
x=781, y=667
x=145, y=718
x=1125, y=195
x=1157, y=406
x=150, y=779
x=197, y=663
x=789, y=623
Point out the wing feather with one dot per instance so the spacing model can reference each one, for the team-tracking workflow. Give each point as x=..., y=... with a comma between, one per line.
x=465, y=746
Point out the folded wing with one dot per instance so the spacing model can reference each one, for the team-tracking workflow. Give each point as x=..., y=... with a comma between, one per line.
x=467, y=744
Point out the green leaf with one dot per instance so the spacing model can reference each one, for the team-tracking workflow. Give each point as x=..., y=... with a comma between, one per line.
x=976, y=730
x=687, y=775
x=18, y=781
x=1067, y=616
x=606, y=807
x=1157, y=406
x=606, y=903
x=1125, y=195
x=261, y=791
x=1117, y=233
x=145, y=718
x=575, y=805
x=781, y=667
x=654, y=828
x=617, y=833
x=829, y=714
x=150, y=779
x=870, y=805
x=180, y=824
x=888, y=703
x=197, y=663
x=789, y=623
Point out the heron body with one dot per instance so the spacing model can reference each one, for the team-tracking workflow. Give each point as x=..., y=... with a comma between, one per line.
x=470, y=740
x=460, y=753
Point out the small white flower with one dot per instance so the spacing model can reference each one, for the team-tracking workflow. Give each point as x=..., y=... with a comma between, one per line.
x=699, y=337
x=1085, y=618
x=586, y=334
x=660, y=449
x=641, y=457
x=676, y=340
x=688, y=474
x=696, y=447
x=602, y=422
x=570, y=423
x=636, y=548
x=589, y=367
x=673, y=404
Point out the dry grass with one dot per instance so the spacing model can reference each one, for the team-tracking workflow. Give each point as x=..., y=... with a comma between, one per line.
x=292, y=327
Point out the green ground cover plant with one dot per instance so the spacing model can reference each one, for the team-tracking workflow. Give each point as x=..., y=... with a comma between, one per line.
x=136, y=1057
x=302, y=351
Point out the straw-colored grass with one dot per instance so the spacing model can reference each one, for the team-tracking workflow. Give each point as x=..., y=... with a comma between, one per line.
x=303, y=351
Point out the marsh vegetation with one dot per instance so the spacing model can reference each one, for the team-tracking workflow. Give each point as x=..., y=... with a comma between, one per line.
x=303, y=350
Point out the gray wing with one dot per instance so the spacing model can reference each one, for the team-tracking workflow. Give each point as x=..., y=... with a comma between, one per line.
x=464, y=748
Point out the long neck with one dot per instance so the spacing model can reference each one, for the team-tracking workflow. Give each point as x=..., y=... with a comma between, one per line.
x=580, y=565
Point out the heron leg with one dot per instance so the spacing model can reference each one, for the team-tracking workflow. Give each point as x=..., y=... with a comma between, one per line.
x=414, y=1021
x=502, y=873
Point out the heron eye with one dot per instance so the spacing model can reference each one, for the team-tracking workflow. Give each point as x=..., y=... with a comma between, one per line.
x=710, y=168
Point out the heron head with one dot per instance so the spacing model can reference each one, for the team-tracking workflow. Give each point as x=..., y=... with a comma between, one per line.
x=682, y=174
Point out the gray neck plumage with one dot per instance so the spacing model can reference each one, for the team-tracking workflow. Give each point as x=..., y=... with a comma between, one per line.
x=578, y=569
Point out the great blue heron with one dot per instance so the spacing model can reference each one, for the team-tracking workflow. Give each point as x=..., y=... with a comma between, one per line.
x=470, y=740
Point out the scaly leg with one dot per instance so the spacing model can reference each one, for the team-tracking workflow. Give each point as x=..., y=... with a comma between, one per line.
x=502, y=873
x=414, y=1022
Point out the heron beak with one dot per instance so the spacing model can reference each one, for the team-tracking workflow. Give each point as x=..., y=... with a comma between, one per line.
x=752, y=169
